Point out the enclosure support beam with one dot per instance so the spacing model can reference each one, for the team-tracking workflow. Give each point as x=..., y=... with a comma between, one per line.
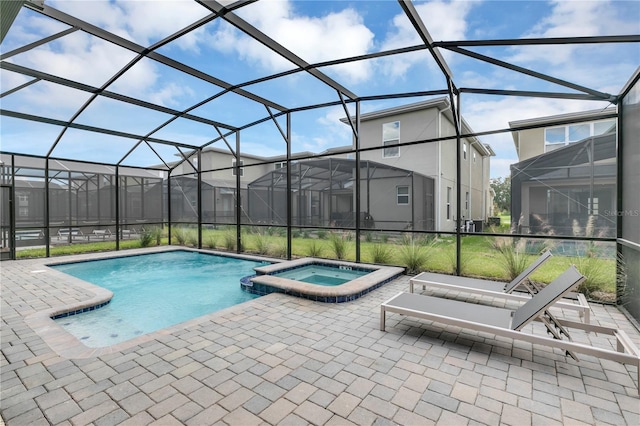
x=199, y=197
x=238, y=197
x=273, y=45
x=299, y=203
x=47, y=209
x=603, y=96
x=620, y=264
x=70, y=206
x=12, y=212
x=632, y=38
x=356, y=131
x=422, y=31
x=288, y=195
x=117, y=203
x=142, y=50
x=169, y=200
x=456, y=115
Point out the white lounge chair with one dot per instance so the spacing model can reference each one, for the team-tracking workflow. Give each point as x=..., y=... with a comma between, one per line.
x=508, y=323
x=575, y=301
x=100, y=234
x=74, y=233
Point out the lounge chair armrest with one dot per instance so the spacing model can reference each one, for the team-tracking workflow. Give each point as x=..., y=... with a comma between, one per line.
x=586, y=313
x=625, y=344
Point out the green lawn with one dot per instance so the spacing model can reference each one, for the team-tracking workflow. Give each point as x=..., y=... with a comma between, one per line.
x=479, y=258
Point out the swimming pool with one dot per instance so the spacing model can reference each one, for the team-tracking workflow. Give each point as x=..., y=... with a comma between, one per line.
x=154, y=291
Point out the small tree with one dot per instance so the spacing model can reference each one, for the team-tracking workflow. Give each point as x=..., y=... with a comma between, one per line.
x=502, y=188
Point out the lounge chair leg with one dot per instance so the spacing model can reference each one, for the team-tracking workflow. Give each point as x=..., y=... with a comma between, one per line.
x=383, y=317
x=557, y=330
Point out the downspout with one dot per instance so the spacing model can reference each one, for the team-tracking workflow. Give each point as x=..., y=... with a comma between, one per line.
x=12, y=210
x=438, y=224
x=483, y=216
x=470, y=197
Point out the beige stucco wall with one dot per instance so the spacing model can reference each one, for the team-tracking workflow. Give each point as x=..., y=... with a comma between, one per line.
x=211, y=160
x=436, y=160
x=529, y=143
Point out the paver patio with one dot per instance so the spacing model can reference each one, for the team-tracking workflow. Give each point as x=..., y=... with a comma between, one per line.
x=284, y=360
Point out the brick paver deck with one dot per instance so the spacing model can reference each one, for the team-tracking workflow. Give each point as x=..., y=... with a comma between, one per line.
x=284, y=360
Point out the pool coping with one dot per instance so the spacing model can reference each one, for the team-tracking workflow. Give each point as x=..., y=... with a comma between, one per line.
x=264, y=283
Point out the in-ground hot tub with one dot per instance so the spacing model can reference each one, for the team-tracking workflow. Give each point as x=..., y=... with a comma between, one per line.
x=323, y=280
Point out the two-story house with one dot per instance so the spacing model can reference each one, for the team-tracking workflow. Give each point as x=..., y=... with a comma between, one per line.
x=566, y=176
x=404, y=182
x=429, y=120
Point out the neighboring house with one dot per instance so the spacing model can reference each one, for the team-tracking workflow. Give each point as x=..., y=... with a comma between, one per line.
x=565, y=181
x=427, y=120
x=401, y=187
x=218, y=187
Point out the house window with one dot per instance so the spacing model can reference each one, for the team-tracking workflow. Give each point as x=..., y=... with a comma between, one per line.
x=448, y=203
x=281, y=165
x=402, y=195
x=602, y=127
x=554, y=135
x=559, y=136
x=474, y=157
x=464, y=150
x=23, y=205
x=577, y=132
x=466, y=201
x=593, y=203
x=391, y=137
x=233, y=171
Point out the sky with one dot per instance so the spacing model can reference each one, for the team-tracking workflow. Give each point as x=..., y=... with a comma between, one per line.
x=315, y=31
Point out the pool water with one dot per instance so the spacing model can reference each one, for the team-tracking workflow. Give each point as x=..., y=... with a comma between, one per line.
x=155, y=291
x=322, y=275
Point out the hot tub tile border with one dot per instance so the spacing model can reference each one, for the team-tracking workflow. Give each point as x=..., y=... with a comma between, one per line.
x=262, y=289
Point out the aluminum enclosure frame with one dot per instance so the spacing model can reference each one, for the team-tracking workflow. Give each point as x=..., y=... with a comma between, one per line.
x=344, y=95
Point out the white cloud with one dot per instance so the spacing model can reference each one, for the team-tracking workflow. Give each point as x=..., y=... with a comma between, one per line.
x=314, y=39
x=143, y=22
x=150, y=24
x=574, y=19
x=581, y=18
x=169, y=94
x=337, y=132
x=91, y=60
x=445, y=20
